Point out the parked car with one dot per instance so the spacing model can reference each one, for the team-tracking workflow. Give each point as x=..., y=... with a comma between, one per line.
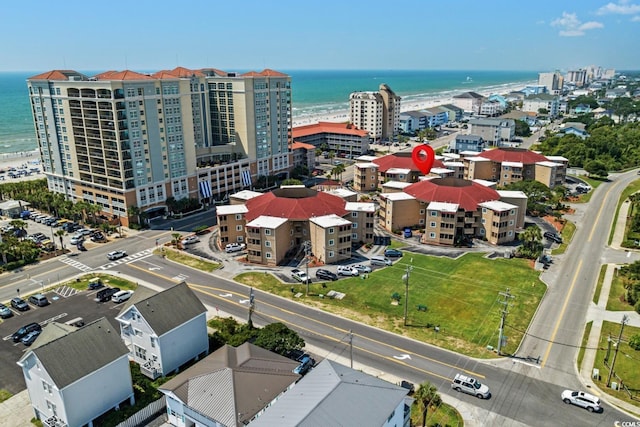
x=39, y=300
x=98, y=237
x=114, y=255
x=106, y=294
x=585, y=400
x=121, y=296
x=76, y=238
x=300, y=276
x=362, y=268
x=306, y=363
x=553, y=237
x=394, y=253
x=465, y=384
x=5, y=312
x=326, y=275
x=19, y=304
x=30, y=337
x=346, y=270
x=190, y=240
x=95, y=283
x=22, y=332
x=84, y=232
x=234, y=247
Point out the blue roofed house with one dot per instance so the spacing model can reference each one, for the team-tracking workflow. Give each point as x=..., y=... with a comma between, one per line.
x=164, y=330
x=74, y=375
x=335, y=395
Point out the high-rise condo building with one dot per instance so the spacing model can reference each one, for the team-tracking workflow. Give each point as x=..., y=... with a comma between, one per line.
x=553, y=82
x=122, y=139
x=376, y=112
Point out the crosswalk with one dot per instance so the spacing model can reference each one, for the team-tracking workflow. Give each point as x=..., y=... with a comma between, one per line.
x=75, y=264
x=85, y=268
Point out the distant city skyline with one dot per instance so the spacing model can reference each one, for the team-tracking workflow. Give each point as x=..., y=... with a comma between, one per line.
x=292, y=35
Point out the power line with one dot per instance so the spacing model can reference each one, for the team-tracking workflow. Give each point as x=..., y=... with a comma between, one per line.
x=507, y=296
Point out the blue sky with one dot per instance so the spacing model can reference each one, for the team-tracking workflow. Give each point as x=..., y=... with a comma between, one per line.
x=149, y=35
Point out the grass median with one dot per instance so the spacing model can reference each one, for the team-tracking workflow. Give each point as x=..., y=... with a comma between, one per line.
x=461, y=297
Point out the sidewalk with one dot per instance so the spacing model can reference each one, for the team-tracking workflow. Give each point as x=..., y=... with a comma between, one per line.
x=598, y=313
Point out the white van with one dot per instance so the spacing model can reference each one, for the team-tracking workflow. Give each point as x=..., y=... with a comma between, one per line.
x=380, y=260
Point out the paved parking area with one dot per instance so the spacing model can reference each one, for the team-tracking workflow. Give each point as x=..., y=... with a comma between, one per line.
x=66, y=304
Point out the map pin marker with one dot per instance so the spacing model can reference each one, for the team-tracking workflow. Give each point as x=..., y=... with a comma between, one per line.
x=423, y=157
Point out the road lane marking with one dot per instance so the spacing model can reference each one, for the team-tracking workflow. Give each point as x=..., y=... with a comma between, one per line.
x=595, y=223
x=564, y=308
x=209, y=290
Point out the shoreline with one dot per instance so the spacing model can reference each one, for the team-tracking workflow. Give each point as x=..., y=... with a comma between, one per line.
x=339, y=116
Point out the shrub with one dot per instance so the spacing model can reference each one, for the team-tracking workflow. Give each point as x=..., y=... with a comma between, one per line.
x=634, y=342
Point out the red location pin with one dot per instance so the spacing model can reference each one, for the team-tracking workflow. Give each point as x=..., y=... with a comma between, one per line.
x=423, y=157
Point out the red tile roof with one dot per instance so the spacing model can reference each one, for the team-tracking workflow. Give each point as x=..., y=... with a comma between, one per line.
x=327, y=127
x=466, y=194
x=520, y=155
x=123, y=75
x=295, y=204
x=296, y=145
x=402, y=161
x=54, y=75
x=264, y=73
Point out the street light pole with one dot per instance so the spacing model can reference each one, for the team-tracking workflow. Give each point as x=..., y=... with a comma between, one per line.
x=405, y=277
x=625, y=319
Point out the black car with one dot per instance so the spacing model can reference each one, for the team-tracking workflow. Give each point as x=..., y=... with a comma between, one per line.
x=553, y=237
x=105, y=295
x=326, y=275
x=392, y=253
x=19, y=304
x=27, y=329
x=95, y=283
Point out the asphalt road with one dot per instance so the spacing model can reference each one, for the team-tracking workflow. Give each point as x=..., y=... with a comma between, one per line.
x=521, y=387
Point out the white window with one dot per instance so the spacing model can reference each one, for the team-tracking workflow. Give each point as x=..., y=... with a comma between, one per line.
x=434, y=213
x=510, y=233
x=239, y=228
x=46, y=386
x=141, y=353
x=267, y=243
x=432, y=235
x=330, y=255
x=138, y=332
x=421, y=211
x=354, y=236
x=153, y=342
x=267, y=255
x=511, y=222
x=421, y=221
x=331, y=242
x=267, y=232
x=482, y=220
x=354, y=214
x=484, y=210
x=482, y=231
x=354, y=225
x=512, y=212
x=238, y=217
x=432, y=224
x=331, y=230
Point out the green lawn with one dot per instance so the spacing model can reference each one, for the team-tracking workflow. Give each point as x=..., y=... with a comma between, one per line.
x=616, y=300
x=596, y=295
x=585, y=338
x=461, y=297
x=627, y=364
x=632, y=188
x=568, y=231
x=594, y=183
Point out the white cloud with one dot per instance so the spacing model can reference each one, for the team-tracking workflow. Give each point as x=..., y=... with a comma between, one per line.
x=635, y=19
x=570, y=25
x=623, y=7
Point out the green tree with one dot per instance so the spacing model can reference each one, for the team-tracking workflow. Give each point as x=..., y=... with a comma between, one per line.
x=427, y=395
x=537, y=193
x=522, y=128
x=278, y=338
x=531, y=239
x=291, y=181
x=60, y=233
x=596, y=167
x=634, y=342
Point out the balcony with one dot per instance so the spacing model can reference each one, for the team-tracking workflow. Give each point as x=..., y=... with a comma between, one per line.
x=151, y=369
x=54, y=422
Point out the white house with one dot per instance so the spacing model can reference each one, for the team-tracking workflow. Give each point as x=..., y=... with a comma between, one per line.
x=335, y=395
x=165, y=330
x=75, y=375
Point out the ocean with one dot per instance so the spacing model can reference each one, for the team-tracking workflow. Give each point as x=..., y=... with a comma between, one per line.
x=314, y=92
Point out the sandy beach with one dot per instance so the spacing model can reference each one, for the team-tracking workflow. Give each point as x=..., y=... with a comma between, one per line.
x=343, y=116
x=21, y=160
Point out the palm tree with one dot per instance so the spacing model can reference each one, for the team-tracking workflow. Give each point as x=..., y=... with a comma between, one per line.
x=60, y=233
x=175, y=239
x=133, y=210
x=427, y=395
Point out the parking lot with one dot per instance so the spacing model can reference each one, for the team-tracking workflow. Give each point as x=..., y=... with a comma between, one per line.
x=66, y=304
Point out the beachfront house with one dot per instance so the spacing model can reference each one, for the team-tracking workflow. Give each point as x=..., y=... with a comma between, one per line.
x=74, y=375
x=344, y=139
x=376, y=112
x=470, y=102
x=542, y=102
x=493, y=130
x=454, y=114
x=165, y=330
x=462, y=143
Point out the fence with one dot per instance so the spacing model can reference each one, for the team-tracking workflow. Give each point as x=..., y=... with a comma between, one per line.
x=141, y=417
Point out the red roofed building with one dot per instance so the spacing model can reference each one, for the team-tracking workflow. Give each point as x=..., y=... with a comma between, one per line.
x=275, y=225
x=343, y=139
x=303, y=154
x=371, y=172
x=451, y=211
x=509, y=165
x=123, y=139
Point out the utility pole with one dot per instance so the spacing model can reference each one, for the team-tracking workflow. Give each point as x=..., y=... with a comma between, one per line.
x=505, y=310
x=405, y=277
x=307, y=253
x=625, y=319
x=251, y=306
x=351, y=347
